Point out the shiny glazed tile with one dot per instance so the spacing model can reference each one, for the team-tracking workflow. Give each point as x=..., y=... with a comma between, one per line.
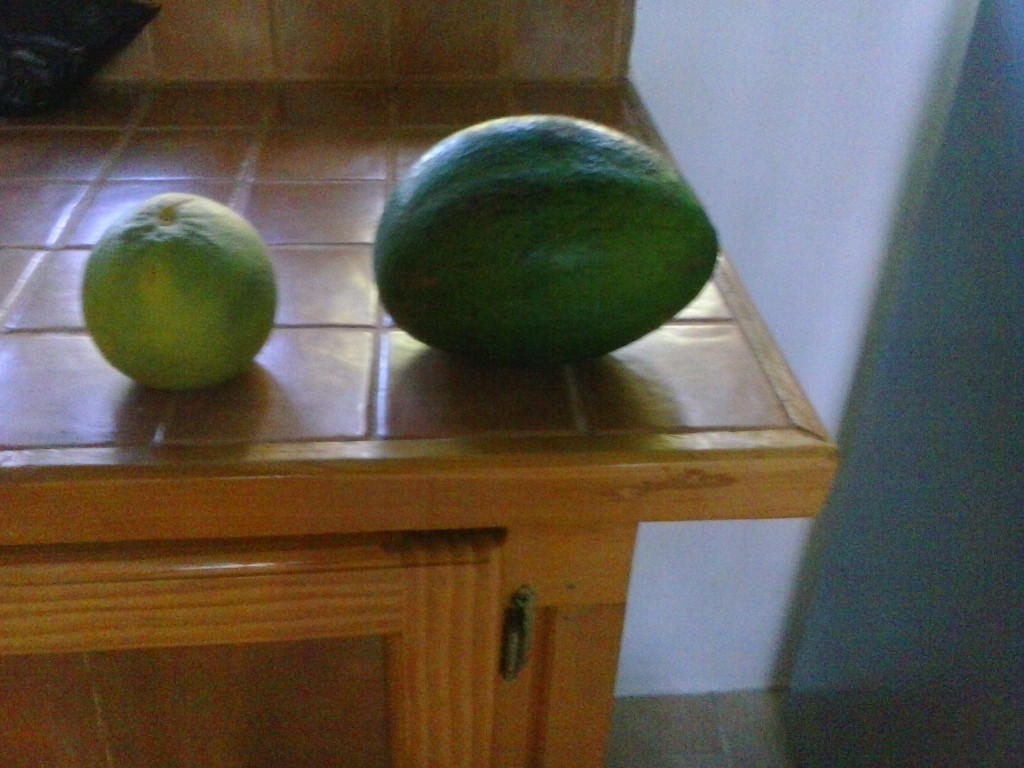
x=456, y=37
x=324, y=153
x=339, y=212
x=556, y=39
x=331, y=38
x=115, y=197
x=52, y=298
x=12, y=267
x=680, y=377
x=56, y=153
x=454, y=105
x=199, y=106
x=325, y=285
x=709, y=304
x=204, y=41
x=428, y=393
x=602, y=104
x=331, y=105
x=307, y=383
x=174, y=153
x=97, y=105
x=410, y=145
x=34, y=213
x=311, y=171
x=58, y=390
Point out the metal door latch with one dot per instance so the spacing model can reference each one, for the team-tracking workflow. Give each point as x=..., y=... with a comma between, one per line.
x=518, y=632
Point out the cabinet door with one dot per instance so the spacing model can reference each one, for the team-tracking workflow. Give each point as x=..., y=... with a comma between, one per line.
x=355, y=651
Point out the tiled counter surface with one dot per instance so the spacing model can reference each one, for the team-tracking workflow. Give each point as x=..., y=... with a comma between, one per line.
x=310, y=166
x=346, y=425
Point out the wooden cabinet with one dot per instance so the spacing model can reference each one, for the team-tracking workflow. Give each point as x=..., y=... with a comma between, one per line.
x=315, y=564
x=363, y=650
x=348, y=651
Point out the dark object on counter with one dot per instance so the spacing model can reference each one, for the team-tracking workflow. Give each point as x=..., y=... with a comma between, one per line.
x=50, y=48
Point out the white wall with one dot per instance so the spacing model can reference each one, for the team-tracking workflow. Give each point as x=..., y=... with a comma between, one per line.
x=795, y=121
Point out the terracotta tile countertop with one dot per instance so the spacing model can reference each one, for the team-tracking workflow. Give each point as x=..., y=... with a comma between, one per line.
x=336, y=385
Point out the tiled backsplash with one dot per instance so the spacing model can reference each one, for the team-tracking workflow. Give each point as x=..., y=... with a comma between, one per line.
x=382, y=40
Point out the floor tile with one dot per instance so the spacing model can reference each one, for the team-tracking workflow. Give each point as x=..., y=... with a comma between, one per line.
x=47, y=715
x=751, y=729
x=660, y=731
x=736, y=729
x=202, y=42
x=339, y=39
x=707, y=305
x=553, y=40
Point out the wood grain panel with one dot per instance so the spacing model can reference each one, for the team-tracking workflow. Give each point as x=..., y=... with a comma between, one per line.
x=445, y=663
x=570, y=566
x=583, y=659
x=475, y=490
x=190, y=607
x=557, y=712
x=315, y=704
x=47, y=717
x=520, y=702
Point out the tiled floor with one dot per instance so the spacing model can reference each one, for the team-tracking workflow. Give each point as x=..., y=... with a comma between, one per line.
x=726, y=730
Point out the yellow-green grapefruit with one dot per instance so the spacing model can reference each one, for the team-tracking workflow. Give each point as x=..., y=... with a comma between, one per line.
x=179, y=293
x=538, y=239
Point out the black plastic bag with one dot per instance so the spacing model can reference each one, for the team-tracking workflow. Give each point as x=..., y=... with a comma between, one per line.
x=50, y=48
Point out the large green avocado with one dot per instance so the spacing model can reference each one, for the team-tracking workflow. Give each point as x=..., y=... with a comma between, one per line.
x=537, y=240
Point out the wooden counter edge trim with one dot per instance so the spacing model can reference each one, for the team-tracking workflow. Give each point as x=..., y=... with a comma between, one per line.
x=109, y=508
x=378, y=455
x=781, y=376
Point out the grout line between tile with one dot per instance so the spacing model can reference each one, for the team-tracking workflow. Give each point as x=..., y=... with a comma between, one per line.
x=576, y=411
x=377, y=411
x=92, y=190
x=245, y=178
x=19, y=286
